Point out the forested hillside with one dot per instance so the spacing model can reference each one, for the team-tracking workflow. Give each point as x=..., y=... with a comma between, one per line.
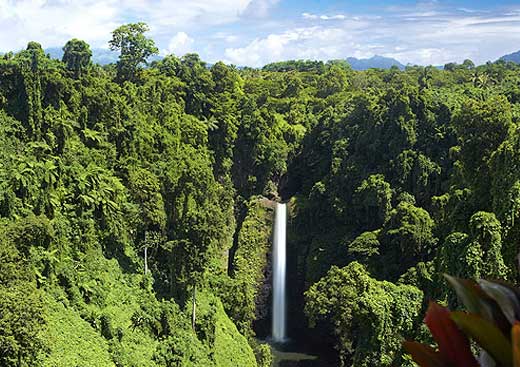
x=136, y=203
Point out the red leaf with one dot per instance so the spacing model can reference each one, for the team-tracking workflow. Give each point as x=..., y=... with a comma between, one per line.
x=424, y=355
x=453, y=344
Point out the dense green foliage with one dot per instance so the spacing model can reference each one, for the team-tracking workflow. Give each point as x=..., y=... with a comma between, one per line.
x=93, y=173
x=364, y=313
x=244, y=297
x=134, y=232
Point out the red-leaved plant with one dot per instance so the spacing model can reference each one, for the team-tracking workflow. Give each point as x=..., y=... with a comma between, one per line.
x=491, y=322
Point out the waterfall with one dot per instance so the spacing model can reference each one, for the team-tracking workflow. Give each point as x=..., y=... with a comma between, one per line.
x=279, y=308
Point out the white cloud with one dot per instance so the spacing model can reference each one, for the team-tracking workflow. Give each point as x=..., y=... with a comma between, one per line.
x=299, y=43
x=452, y=36
x=225, y=36
x=430, y=33
x=323, y=17
x=53, y=22
x=309, y=16
x=162, y=14
x=250, y=32
x=180, y=44
x=259, y=8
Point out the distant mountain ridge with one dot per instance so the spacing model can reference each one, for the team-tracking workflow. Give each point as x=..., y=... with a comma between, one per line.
x=513, y=57
x=104, y=56
x=380, y=62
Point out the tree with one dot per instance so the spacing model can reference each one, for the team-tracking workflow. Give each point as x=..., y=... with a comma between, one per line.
x=468, y=64
x=61, y=124
x=481, y=127
x=364, y=247
x=36, y=54
x=193, y=71
x=227, y=95
x=76, y=56
x=368, y=317
x=416, y=174
x=486, y=232
x=135, y=48
x=21, y=306
x=146, y=191
x=406, y=238
x=374, y=199
x=333, y=81
x=475, y=255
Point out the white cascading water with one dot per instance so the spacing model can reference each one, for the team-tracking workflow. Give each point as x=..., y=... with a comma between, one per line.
x=279, y=308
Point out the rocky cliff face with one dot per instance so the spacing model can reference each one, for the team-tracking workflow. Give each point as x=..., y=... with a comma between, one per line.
x=250, y=266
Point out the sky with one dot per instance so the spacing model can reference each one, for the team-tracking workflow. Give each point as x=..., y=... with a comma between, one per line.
x=257, y=32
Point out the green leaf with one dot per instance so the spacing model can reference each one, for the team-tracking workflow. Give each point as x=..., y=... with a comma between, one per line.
x=487, y=335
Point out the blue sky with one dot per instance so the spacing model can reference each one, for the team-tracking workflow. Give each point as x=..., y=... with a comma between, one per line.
x=256, y=32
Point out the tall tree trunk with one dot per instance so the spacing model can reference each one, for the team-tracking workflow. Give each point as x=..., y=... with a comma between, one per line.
x=193, y=307
x=145, y=260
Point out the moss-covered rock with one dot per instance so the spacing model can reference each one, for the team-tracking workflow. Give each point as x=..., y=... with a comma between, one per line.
x=248, y=290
